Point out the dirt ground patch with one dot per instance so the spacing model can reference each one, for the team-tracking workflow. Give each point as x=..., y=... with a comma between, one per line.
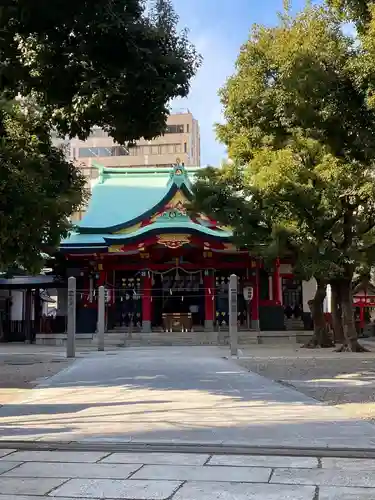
x=345, y=380
x=20, y=371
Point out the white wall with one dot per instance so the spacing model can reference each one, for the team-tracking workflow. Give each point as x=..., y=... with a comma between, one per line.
x=17, y=305
x=285, y=269
x=327, y=306
x=308, y=292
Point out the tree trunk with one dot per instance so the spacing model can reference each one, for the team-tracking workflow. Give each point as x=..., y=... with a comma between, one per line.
x=321, y=337
x=351, y=343
x=338, y=330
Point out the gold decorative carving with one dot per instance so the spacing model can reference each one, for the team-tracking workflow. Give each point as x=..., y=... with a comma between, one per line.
x=173, y=240
x=123, y=248
x=224, y=228
x=115, y=248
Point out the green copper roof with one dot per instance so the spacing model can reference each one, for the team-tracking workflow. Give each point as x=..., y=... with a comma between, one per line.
x=123, y=197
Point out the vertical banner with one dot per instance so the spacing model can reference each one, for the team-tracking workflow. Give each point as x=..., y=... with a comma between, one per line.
x=101, y=317
x=233, y=314
x=71, y=326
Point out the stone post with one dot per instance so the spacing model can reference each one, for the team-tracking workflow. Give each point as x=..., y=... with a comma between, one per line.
x=146, y=303
x=71, y=327
x=233, y=316
x=101, y=317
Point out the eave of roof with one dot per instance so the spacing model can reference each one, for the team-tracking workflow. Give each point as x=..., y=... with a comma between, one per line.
x=170, y=228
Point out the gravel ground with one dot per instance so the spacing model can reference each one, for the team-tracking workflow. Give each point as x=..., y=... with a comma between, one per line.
x=22, y=367
x=345, y=380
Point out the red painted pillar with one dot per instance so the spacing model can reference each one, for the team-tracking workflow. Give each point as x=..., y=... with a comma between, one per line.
x=209, y=300
x=361, y=316
x=102, y=278
x=276, y=283
x=146, y=303
x=255, y=300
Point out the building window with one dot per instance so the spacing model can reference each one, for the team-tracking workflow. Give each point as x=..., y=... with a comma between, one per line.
x=185, y=147
x=174, y=129
x=102, y=152
x=187, y=128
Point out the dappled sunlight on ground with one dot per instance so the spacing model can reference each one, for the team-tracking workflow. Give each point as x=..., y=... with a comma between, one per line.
x=193, y=397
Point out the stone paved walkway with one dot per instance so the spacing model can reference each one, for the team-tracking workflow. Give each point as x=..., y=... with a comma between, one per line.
x=64, y=475
x=175, y=395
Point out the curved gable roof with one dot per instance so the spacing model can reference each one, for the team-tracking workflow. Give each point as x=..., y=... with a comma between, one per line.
x=122, y=197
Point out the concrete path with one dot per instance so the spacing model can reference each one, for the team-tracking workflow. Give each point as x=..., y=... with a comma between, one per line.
x=175, y=395
x=63, y=475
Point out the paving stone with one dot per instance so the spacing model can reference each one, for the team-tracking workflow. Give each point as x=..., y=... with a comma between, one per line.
x=57, y=456
x=7, y=466
x=349, y=463
x=28, y=486
x=264, y=461
x=70, y=470
x=192, y=473
x=113, y=488
x=333, y=493
x=27, y=497
x=4, y=452
x=326, y=477
x=156, y=458
x=240, y=491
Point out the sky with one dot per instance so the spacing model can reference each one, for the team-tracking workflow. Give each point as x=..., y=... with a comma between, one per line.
x=218, y=28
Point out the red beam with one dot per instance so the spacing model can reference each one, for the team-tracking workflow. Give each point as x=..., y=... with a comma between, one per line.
x=156, y=267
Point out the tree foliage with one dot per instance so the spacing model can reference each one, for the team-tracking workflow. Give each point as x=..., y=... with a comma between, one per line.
x=300, y=129
x=109, y=63
x=358, y=12
x=39, y=189
x=76, y=64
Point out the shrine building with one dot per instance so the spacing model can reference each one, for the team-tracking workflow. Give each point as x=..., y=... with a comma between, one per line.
x=164, y=270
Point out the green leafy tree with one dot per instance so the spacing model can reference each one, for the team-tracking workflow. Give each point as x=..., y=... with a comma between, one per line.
x=299, y=127
x=109, y=63
x=359, y=12
x=76, y=64
x=39, y=189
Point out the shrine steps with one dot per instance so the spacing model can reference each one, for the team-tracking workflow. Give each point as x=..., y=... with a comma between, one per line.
x=294, y=324
x=138, y=339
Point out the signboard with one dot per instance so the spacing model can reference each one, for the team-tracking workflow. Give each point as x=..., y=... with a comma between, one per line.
x=248, y=293
x=233, y=318
x=233, y=306
x=71, y=298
